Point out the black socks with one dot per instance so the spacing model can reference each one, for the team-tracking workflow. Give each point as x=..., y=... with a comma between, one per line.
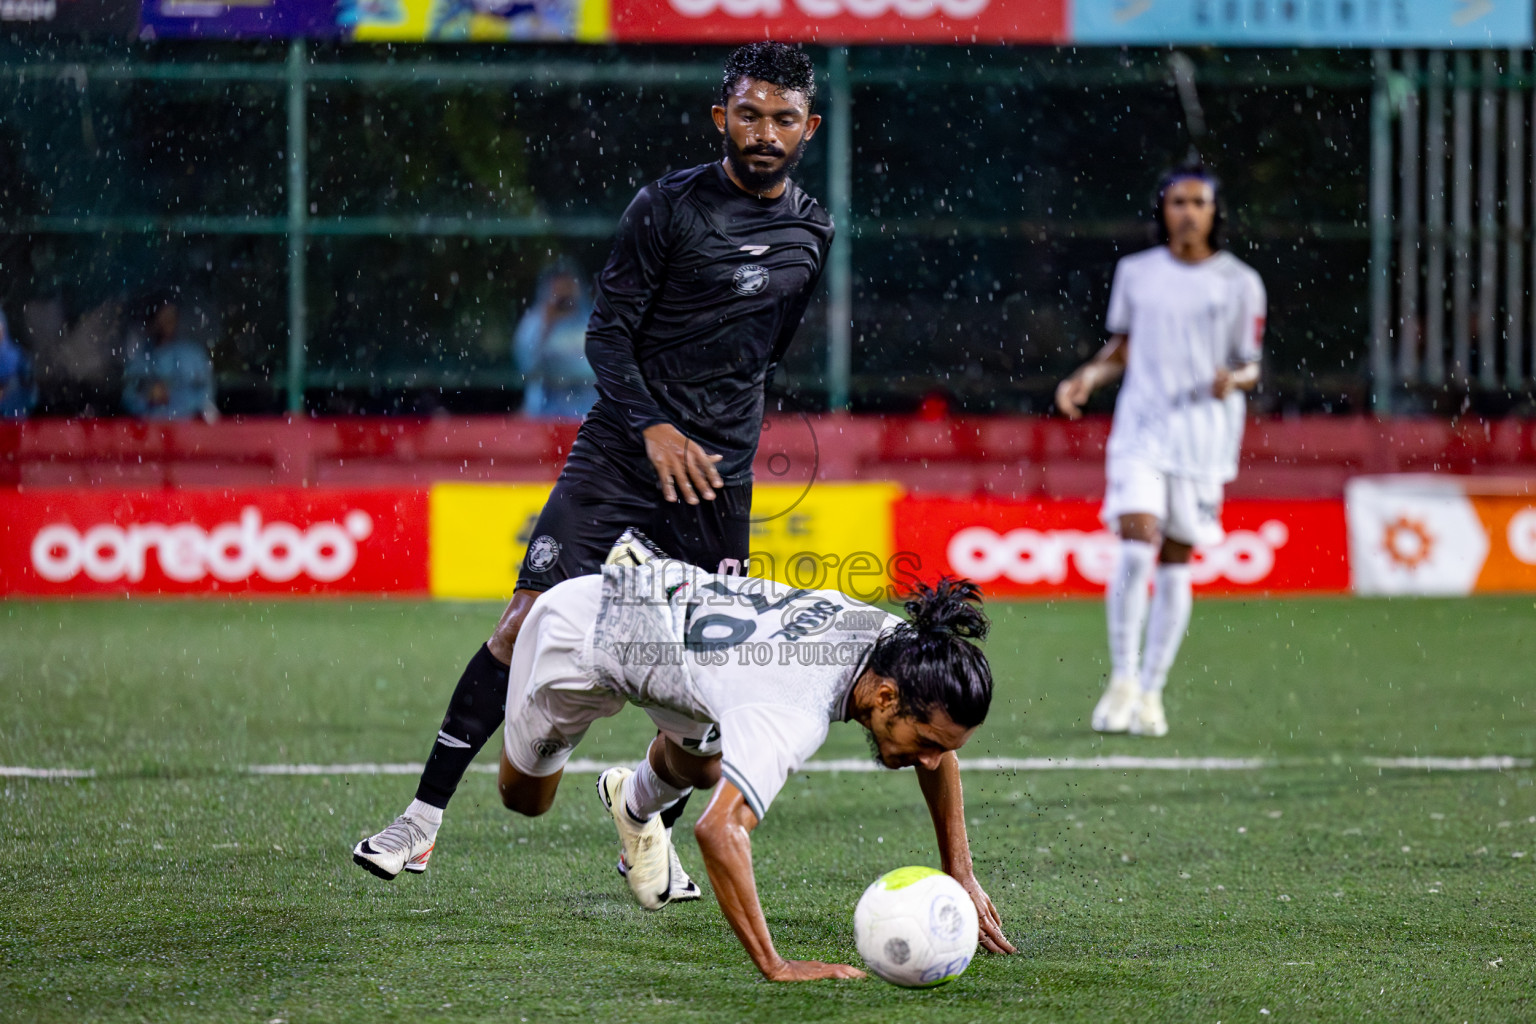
x=476, y=710
x=670, y=815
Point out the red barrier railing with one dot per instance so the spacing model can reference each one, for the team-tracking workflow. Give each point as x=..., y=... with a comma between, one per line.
x=1004, y=456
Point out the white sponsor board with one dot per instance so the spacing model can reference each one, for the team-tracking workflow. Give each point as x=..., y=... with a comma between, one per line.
x=1413, y=534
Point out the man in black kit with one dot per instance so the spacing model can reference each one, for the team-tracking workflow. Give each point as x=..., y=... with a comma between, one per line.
x=711, y=271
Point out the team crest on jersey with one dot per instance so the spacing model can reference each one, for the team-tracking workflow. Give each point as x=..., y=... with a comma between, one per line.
x=750, y=279
x=543, y=552
x=547, y=748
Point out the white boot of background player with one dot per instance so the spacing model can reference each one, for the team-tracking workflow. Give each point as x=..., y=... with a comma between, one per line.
x=1125, y=612
x=1172, y=600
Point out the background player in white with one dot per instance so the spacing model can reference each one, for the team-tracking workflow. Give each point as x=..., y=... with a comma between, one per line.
x=1186, y=321
x=743, y=677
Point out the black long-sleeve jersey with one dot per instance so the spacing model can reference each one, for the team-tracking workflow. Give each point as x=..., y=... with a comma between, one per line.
x=700, y=297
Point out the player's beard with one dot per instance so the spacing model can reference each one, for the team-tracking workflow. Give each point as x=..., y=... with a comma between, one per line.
x=759, y=181
x=874, y=748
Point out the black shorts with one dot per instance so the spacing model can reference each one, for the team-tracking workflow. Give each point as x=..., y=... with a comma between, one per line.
x=598, y=497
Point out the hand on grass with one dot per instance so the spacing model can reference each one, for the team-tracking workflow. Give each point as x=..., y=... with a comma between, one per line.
x=811, y=970
x=992, y=937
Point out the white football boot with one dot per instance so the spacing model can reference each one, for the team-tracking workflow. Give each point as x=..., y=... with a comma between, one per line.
x=645, y=848
x=1149, y=719
x=1118, y=706
x=680, y=888
x=405, y=845
x=633, y=548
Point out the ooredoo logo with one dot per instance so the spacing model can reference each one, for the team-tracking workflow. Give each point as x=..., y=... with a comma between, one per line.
x=831, y=8
x=1521, y=534
x=1028, y=556
x=185, y=552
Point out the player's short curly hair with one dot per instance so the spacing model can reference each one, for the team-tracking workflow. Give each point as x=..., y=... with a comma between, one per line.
x=1200, y=172
x=788, y=67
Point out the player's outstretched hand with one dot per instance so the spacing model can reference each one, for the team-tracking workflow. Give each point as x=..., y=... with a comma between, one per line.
x=681, y=465
x=1071, y=394
x=811, y=970
x=992, y=937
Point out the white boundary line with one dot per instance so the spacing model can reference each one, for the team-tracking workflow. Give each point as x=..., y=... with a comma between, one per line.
x=47, y=773
x=1109, y=762
x=1486, y=763
x=588, y=766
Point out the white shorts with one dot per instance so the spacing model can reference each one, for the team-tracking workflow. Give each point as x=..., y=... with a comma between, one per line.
x=552, y=701
x=1188, y=510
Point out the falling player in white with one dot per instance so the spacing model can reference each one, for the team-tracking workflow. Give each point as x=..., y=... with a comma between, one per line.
x=1186, y=321
x=743, y=678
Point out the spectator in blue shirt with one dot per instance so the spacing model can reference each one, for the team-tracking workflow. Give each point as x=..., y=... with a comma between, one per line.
x=169, y=377
x=549, y=348
x=18, y=391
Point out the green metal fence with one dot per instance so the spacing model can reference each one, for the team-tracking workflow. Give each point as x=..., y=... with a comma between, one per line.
x=365, y=222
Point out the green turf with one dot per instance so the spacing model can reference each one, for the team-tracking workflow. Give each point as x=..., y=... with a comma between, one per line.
x=174, y=886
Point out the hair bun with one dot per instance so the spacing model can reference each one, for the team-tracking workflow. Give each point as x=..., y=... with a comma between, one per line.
x=951, y=607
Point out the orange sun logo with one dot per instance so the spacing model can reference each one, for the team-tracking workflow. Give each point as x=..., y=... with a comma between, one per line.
x=1407, y=542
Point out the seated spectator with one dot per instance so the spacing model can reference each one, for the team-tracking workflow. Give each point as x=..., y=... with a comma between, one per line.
x=18, y=391
x=549, y=348
x=169, y=377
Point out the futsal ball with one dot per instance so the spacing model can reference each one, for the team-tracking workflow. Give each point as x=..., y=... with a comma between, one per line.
x=916, y=927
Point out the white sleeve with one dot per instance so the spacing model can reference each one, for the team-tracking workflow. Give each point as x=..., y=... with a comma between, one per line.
x=1248, y=343
x=761, y=744
x=1119, y=319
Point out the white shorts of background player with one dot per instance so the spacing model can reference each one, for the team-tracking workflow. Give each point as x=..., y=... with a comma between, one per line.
x=1188, y=510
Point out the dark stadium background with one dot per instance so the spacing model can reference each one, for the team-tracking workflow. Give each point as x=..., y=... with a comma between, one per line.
x=989, y=191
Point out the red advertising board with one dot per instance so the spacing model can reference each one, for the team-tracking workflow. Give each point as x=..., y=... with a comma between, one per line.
x=1044, y=548
x=267, y=541
x=840, y=21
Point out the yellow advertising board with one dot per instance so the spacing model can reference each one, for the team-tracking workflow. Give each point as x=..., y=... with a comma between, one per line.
x=478, y=535
x=835, y=535
x=832, y=535
x=477, y=21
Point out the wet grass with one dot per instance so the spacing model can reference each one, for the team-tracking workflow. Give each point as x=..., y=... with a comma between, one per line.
x=174, y=886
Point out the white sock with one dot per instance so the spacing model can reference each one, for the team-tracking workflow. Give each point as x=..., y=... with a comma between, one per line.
x=1125, y=604
x=426, y=814
x=646, y=793
x=1167, y=623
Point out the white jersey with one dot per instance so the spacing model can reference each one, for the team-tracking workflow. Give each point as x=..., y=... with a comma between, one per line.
x=1184, y=321
x=770, y=665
